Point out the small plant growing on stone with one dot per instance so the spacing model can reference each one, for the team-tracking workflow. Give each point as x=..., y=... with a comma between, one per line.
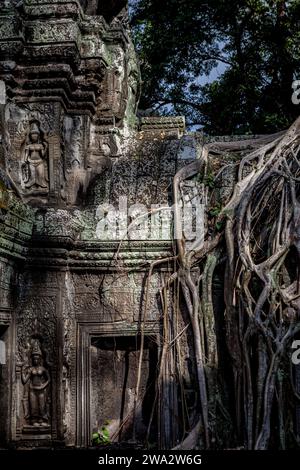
x=209, y=180
x=101, y=437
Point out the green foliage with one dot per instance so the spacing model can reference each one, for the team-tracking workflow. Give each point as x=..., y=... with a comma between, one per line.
x=220, y=225
x=254, y=42
x=216, y=210
x=101, y=437
x=209, y=180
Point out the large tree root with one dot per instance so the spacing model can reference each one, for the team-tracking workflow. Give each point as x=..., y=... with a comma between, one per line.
x=261, y=290
x=254, y=239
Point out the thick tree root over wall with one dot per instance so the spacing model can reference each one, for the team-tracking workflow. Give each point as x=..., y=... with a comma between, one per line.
x=255, y=237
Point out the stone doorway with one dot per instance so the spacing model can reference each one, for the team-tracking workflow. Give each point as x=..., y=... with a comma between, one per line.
x=107, y=358
x=113, y=365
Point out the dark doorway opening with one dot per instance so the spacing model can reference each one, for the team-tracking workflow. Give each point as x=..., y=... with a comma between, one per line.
x=114, y=365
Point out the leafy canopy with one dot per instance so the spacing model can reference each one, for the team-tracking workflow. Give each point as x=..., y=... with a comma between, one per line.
x=254, y=42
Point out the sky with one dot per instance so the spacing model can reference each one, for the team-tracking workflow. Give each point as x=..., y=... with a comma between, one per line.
x=214, y=74
x=202, y=79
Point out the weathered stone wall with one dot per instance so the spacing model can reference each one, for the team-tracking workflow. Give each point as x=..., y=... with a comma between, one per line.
x=85, y=201
x=16, y=221
x=70, y=285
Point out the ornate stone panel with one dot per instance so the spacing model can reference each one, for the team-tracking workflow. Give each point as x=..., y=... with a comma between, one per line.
x=34, y=150
x=37, y=333
x=7, y=283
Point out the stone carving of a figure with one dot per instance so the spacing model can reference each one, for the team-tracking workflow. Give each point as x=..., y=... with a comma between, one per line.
x=35, y=167
x=38, y=378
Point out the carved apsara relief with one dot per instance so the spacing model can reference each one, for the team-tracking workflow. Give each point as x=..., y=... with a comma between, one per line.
x=29, y=133
x=36, y=316
x=36, y=356
x=35, y=173
x=36, y=381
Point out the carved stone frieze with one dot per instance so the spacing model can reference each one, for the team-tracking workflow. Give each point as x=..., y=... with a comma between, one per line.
x=114, y=297
x=7, y=285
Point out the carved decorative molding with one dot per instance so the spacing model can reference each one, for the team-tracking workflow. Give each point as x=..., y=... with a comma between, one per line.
x=162, y=127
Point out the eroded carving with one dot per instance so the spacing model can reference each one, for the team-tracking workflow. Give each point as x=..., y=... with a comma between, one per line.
x=35, y=160
x=70, y=118
x=36, y=381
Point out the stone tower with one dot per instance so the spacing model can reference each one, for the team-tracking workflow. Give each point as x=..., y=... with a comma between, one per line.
x=76, y=168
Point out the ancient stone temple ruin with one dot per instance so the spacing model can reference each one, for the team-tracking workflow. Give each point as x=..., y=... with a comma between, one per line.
x=78, y=173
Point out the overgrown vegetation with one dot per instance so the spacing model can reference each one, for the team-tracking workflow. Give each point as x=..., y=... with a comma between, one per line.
x=254, y=242
x=254, y=43
x=101, y=437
